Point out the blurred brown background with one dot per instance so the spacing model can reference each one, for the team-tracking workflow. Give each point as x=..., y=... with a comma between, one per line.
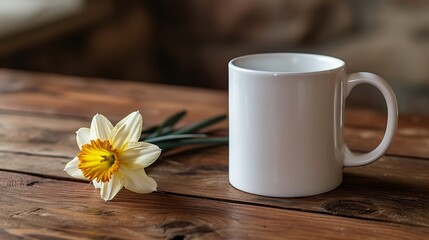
x=190, y=42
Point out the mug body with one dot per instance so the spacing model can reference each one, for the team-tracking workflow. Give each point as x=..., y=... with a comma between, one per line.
x=285, y=124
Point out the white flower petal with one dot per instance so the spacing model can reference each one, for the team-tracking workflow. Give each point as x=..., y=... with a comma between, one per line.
x=100, y=127
x=139, y=155
x=111, y=188
x=82, y=137
x=73, y=170
x=127, y=130
x=97, y=184
x=137, y=181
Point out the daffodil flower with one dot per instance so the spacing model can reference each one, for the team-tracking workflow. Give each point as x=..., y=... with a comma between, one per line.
x=112, y=158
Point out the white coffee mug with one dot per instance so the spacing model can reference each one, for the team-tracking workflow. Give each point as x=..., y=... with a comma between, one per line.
x=286, y=123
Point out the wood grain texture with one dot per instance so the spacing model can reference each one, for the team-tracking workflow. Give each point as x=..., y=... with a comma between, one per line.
x=39, y=114
x=53, y=135
x=408, y=142
x=365, y=118
x=40, y=208
x=57, y=94
x=78, y=97
x=393, y=189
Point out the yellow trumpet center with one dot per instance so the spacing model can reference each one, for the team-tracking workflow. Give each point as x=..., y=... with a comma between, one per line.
x=98, y=160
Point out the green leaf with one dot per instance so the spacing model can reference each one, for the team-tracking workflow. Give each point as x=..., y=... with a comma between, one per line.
x=168, y=123
x=182, y=142
x=174, y=137
x=192, y=128
x=147, y=132
x=150, y=130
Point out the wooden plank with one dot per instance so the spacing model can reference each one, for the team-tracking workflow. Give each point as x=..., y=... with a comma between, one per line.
x=34, y=207
x=51, y=93
x=52, y=135
x=55, y=94
x=365, y=118
x=408, y=142
x=49, y=135
x=392, y=189
x=39, y=135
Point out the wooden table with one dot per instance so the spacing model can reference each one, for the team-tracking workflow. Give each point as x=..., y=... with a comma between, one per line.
x=39, y=114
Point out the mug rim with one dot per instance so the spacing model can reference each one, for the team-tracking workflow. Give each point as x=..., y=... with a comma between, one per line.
x=233, y=65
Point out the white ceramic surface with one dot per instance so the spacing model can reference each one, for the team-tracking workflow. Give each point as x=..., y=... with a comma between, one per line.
x=286, y=123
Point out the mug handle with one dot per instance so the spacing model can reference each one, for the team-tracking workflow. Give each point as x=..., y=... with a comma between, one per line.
x=354, y=79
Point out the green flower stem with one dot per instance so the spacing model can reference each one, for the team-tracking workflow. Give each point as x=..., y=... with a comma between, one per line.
x=150, y=130
x=166, y=145
x=166, y=137
x=168, y=124
x=200, y=125
x=174, y=137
